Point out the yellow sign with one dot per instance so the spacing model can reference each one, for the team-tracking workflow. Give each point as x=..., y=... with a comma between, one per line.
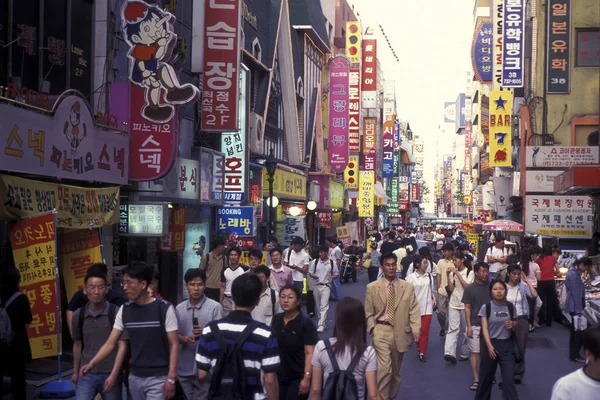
x=500, y=129
x=286, y=185
x=353, y=41
x=336, y=195
x=77, y=207
x=244, y=258
x=474, y=238
x=351, y=173
x=343, y=235
x=80, y=249
x=366, y=194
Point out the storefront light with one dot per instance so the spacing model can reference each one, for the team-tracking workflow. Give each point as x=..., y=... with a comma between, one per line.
x=295, y=211
x=275, y=201
x=311, y=205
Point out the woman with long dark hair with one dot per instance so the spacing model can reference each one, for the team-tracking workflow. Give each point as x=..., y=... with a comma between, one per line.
x=296, y=337
x=424, y=284
x=532, y=271
x=497, y=322
x=548, y=263
x=348, y=344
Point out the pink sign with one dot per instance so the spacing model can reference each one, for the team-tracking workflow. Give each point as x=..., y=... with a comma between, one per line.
x=339, y=80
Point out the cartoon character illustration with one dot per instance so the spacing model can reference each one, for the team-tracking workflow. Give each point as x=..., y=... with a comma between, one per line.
x=72, y=130
x=150, y=34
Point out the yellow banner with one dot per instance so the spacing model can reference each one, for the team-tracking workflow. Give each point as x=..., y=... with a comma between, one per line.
x=32, y=241
x=77, y=207
x=286, y=185
x=500, y=129
x=343, y=235
x=351, y=173
x=80, y=249
x=366, y=194
x=336, y=195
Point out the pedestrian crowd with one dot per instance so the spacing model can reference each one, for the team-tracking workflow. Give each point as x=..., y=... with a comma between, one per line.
x=242, y=333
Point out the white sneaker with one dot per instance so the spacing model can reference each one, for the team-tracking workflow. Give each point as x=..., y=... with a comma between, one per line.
x=321, y=329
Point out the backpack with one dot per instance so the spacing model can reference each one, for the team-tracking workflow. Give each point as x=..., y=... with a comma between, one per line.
x=6, y=331
x=112, y=314
x=340, y=385
x=228, y=380
x=315, y=266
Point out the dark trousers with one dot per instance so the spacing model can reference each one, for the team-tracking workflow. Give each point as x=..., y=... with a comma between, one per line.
x=531, y=302
x=310, y=302
x=487, y=369
x=575, y=342
x=289, y=390
x=547, y=293
x=522, y=336
x=16, y=373
x=372, y=272
x=213, y=294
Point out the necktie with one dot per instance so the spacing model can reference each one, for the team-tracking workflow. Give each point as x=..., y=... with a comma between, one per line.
x=391, y=303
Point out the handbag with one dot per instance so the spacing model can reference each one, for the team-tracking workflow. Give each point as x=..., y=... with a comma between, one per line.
x=367, y=263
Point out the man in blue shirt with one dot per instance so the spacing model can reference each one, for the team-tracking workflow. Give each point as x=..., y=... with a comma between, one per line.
x=576, y=303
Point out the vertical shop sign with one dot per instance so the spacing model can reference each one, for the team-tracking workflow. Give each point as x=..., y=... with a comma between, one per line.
x=80, y=249
x=415, y=193
x=500, y=129
x=392, y=206
x=485, y=118
x=388, y=129
x=338, y=113
x=513, y=39
x=558, y=64
x=82, y=17
x=353, y=41
x=481, y=52
x=396, y=149
x=354, y=112
x=220, y=89
x=369, y=70
x=32, y=241
x=366, y=194
x=369, y=161
x=324, y=219
x=174, y=240
x=497, y=27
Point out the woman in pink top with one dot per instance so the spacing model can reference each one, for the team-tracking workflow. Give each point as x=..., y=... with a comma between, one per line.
x=531, y=269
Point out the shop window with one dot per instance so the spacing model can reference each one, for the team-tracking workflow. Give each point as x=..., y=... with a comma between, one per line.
x=588, y=48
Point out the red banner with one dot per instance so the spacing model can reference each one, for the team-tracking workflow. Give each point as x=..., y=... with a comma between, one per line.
x=80, y=249
x=174, y=241
x=220, y=87
x=415, y=194
x=369, y=155
x=369, y=65
x=339, y=71
x=354, y=112
x=324, y=219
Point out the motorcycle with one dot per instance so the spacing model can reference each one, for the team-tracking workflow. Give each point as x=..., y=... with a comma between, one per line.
x=348, y=268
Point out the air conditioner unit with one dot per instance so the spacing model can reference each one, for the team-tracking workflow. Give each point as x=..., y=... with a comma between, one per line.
x=257, y=132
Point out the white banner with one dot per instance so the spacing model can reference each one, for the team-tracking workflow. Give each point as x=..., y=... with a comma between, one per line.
x=567, y=217
x=560, y=156
x=541, y=181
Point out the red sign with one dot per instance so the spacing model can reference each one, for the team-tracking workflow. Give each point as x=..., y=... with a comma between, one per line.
x=403, y=205
x=338, y=113
x=354, y=111
x=369, y=65
x=152, y=146
x=415, y=192
x=324, y=219
x=174, y=241
x=245, y=242
x=220, y=88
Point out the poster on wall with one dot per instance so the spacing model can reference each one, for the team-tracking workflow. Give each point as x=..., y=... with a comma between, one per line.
x=197, y=244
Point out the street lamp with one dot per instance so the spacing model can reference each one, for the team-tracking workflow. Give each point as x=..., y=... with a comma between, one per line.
x=270, y=165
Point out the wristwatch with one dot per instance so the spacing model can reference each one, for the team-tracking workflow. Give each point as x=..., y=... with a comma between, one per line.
x=171, y=381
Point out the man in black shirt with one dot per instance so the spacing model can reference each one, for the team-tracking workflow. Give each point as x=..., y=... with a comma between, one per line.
x=390, y=244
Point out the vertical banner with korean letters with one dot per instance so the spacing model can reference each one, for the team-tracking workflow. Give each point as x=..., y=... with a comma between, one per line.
x=500, y=129
x=392, y=206
x=415, y=192
x=558, y=65
x=220, y=84
x=366, y=194
x=80, y=249
x=339, y=70
x=369, y=160
x=353, y=41
x=354, y=111
x=174, y=240
x=513, y=43
x=369, y=70
x=32, y=241
x=497, y=27
x=387, y=165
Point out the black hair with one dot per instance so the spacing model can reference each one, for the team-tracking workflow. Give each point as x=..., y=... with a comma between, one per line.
x=275, y=250
x=373, y=245
x=218, y=241
x=11, y=277
x=194, y=273
x=355, y=241
x=236, y=249
x=386, y=256
x=425, y=252
x=99, y=267
x=331, y=239
x=263, y=269
x=246, y=290
x=297, y=240
x=510, y=269
x=479, y=265
x=323, y=247
x=526, y=258
x=493, y=282
x=404, y=242
x=94, y=273
x=296, y=292
x=155, y=274
x=591, y=340
x=585, y=261
x=447, y=246
x=255, y=253
x=418, y=261
x=500, y=238
x=391, y=235
x=140, y=270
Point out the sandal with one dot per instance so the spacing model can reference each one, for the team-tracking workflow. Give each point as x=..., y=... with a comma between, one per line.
x=422, y=357
x=474, y=386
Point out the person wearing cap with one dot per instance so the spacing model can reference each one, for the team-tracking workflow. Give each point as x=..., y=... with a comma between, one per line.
x=297, y=260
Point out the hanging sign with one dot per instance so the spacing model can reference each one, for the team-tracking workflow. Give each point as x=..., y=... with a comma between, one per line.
x=369, y=70
x=558, y=64
x=415, y=195
x=481, y=52
x=497, y=27
x=181, y=183
x=366, y=194
x=238, y=220
x=369, y=161
x=387, y=165
x=392, y=206
x=343, y=235
x=174, y=240
x=32, y=241
x=146, y=220
x=567, y=217
x=80, y=249
x=560, y=156
x=500, y=126
x=351, y=173
x=338, y=113
x=513, y=43
x=354, y=112
x=324, y=219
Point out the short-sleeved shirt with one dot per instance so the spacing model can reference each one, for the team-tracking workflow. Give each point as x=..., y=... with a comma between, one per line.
x=476, y=295
x=533, y=269
x=229, y=275
x=546, y=264
x=368, y=362
x=323, y=270
x=375, y=257
x=496, y=253
x=263, y=311
x=457, y=294
x=424, y=286
x=577, y=385
x=214, y=266
x=282, y=275
x=113, y=296
x=170, y=320
x=292, y=338
x=300, y=259
x=388, y=247
x=499, y=314
x=206, y=311
x=443, y=265
x=431, y=268
x=517, y=295
x=335, y=253
x=94, y=333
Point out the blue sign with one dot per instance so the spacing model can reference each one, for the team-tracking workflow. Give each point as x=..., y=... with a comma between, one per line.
x=513, y=43
x=461, y=112
x=239, y=220
x=481, y=52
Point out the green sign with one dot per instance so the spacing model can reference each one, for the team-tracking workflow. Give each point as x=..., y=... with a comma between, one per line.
x=392, y=206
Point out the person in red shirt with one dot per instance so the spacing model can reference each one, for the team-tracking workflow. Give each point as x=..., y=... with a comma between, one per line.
x=548, y=263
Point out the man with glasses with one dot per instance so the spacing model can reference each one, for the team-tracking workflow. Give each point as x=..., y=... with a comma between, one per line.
x=92, y=327
x=267, y=305
x=151, y=326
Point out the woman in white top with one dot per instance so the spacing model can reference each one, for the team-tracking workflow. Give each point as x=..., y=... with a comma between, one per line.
x=424, y=284
x=459, y=277
x=349, y=339
x=532, y=270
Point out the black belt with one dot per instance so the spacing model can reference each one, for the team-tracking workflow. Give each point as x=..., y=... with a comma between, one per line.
x=227, y=295
x=322, y=284
x=385, y=323
x=523, y=317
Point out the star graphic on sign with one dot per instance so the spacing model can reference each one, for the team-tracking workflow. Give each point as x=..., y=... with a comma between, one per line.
x=500, y=103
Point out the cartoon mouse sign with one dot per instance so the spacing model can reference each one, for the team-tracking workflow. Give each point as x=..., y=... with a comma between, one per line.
x=149, y=32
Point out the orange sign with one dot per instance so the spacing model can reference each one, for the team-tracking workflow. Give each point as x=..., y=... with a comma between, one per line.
x=80, y=249
x=174, y=241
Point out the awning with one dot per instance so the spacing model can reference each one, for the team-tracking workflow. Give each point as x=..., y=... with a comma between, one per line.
x=406, y=154
x=380, y=192
x=579, y=180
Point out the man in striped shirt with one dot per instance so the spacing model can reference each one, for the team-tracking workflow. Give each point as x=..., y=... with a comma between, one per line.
x=260, y=351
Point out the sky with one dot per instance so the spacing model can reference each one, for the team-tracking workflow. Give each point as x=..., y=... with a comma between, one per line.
x=432, y=39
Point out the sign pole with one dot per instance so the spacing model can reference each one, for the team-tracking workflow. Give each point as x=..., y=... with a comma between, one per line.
x=101, y=245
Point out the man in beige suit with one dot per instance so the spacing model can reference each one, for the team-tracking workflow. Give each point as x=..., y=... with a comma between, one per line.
x=392, y=314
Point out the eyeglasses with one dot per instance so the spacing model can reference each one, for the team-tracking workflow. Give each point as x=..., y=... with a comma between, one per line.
x=95, y=288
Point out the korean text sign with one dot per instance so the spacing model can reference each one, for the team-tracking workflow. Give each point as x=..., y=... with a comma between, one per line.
x=366, y=194
x=513, y=43
x=80, y=249
x=239, y=220
x=181, y=183
x=354, y=111
x=388, y=129
x=77, y=206
x=369, y=72
x=286, y=185
x=500, y=129
x=220, y=89
x=66, y=144
x=560, y=156
x=339, y=80
x=343, y=235
x=394, y=189
x=498, y=27
x=174, y=240
x=145, y=220
x=369, y=161
x=234, y=181
x=481, y=52
x=561, y=216
x=32, y=242
x=558, y=64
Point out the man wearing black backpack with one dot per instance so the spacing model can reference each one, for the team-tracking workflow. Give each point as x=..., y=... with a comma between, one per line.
x=323, y=270
x=92, y=325
x=240, y=349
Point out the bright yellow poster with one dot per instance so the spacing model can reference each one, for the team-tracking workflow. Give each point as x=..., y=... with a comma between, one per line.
x=366, y=194
x=500, y=129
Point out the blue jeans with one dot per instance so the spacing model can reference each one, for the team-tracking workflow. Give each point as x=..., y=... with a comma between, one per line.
x=336, y=288
x=93, y=384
